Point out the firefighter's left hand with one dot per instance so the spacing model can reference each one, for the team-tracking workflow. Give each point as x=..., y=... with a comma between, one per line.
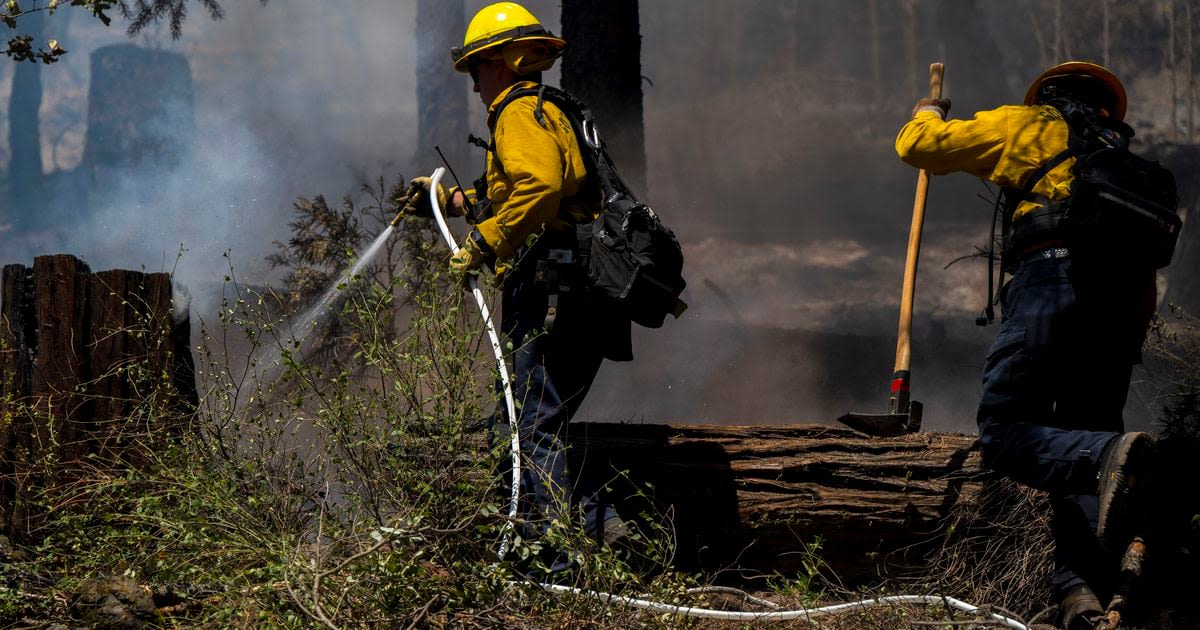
x=467, y=259
x=942, y=105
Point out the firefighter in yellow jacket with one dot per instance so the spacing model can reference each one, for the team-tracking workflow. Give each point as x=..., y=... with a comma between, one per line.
x=523, y=211
x=1056, y=376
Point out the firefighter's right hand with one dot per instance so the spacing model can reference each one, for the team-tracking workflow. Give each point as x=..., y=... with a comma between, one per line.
x=939, y=105
x=415, y=202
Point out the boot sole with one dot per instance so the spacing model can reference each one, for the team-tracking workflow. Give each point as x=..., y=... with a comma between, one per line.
x=1115, y=527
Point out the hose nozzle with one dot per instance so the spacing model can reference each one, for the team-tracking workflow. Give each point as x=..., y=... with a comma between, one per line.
x=404, y=203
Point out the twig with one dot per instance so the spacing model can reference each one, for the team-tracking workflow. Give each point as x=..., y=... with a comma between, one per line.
x=287, y=584
x=424, y=610
x=358, y=556
x=316, y=592
x=1045, y=612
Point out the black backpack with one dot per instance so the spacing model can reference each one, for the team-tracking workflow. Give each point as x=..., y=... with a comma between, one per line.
x=1123, y=209
x=630, y=258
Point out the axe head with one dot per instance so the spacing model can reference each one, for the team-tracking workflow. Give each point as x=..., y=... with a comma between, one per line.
x=885, y=424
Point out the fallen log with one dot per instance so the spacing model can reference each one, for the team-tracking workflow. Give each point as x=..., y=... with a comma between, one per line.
x=92, y=368
x=756, y=497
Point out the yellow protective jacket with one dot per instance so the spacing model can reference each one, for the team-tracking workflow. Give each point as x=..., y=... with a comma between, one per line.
x=531, y=173
x=1003, y=146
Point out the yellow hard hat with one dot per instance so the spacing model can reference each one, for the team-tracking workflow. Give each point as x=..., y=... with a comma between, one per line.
x=1103, y=76
x=507, y=30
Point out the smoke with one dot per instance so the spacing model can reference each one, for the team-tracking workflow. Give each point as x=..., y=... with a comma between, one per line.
x=292, y=99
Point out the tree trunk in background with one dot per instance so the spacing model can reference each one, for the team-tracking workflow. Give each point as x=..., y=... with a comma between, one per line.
x=876, y=52
x=441, y=92
x=1189, y=57
x=969, y=45
x=141, y=125
x=1172, y=69
x=24, y=135
x=1058, y=32
x=910, y=48
x=1107, y=9
x=603, y=67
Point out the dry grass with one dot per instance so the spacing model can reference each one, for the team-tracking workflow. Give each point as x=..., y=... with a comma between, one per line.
x=997, y=550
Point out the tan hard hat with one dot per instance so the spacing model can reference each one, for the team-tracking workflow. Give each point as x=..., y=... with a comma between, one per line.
x=1082, y=69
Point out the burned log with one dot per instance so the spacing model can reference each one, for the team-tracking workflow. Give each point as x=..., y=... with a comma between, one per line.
x=753, y=497
x=93, y=367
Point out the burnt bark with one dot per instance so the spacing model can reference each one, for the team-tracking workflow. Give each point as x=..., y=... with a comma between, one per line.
x=754, y=496
x=602, y=65
x=94, y=368
x=441, y=93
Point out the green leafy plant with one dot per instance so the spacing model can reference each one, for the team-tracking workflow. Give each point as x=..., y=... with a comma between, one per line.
x=351, y=487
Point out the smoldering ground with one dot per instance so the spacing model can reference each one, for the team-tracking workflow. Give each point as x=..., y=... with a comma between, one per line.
x=769, y=129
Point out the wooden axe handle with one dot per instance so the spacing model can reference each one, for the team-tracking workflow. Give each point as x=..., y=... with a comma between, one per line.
x=936, y=72
x=898, y=399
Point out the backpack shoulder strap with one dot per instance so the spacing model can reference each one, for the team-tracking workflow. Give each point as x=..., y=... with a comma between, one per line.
x=1078, y=144
x=512, y=96
x=595, y=153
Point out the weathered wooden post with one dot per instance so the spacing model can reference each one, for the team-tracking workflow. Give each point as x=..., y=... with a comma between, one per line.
x=94, y=368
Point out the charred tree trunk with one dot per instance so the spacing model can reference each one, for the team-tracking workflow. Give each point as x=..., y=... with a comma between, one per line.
x=602, y=65
x=140, y=122
x=24, y=132
x=441, y=93
x=752, y=497
x=86, y=361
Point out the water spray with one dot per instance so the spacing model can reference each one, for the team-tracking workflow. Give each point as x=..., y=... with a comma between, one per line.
x=510, y=404
x=271, y=357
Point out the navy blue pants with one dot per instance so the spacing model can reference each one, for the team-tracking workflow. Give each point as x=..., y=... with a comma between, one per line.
x=551, y=374
x=1054, y=385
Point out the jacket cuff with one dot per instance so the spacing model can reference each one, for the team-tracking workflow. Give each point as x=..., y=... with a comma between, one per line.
x=451, y=209
x=941, y=113
x=489, y=234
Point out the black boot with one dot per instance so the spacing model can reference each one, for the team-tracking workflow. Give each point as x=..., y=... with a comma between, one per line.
x=616, y=533
x=1080, y=609
x=1124, y=467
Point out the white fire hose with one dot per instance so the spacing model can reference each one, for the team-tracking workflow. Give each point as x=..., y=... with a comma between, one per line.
x=509, y=403
x=807, y=614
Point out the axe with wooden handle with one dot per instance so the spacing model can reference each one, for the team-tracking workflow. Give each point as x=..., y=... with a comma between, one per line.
x=904, y=415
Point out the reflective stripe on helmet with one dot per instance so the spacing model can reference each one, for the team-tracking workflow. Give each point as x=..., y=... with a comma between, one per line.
x=458, y=53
